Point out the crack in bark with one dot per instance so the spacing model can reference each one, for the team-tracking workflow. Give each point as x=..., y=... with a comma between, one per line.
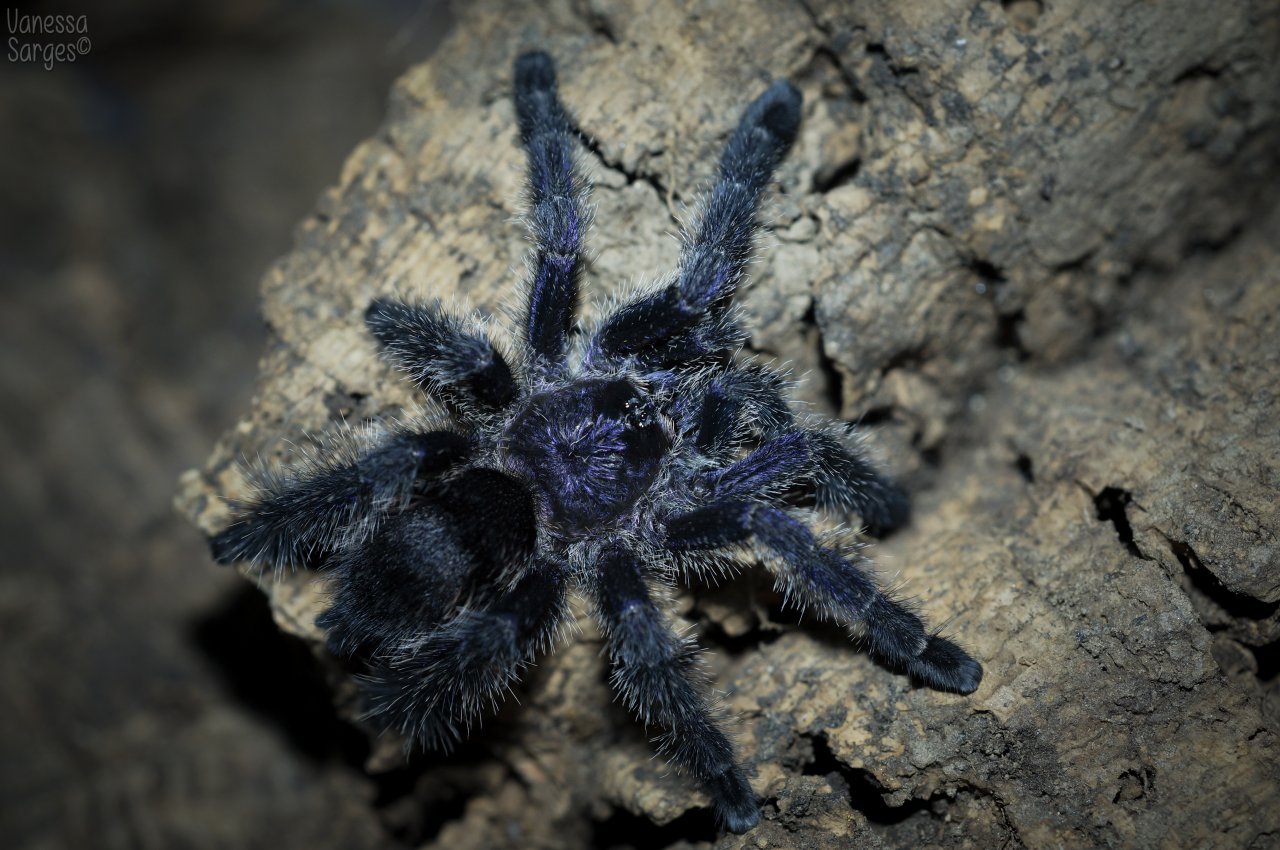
x=650, y=179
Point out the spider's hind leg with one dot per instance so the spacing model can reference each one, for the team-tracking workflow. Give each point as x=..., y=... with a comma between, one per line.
x=654, y=673
x=834, y=585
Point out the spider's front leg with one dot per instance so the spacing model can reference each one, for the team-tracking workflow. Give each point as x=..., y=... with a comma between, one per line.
x=741, y=401
x=834, y=585
x=557, y=218
x=677, y=322
x=653, y=672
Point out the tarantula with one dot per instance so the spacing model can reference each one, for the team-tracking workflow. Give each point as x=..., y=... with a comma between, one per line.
x=609, y=461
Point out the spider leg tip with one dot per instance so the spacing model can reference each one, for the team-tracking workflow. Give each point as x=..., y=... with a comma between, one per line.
x=535, y=71
x=779, y=110
x=739, y=823
x=944, y=666
x=740, y=815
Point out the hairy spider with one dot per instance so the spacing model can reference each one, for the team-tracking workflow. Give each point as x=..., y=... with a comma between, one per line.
x=610, y=461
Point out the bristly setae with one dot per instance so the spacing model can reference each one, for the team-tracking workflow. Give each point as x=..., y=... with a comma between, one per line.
x=609, y=461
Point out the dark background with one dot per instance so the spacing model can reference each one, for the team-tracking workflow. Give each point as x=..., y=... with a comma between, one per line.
x=146, y=187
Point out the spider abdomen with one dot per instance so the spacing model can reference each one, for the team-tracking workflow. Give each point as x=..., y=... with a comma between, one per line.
x=591, y=449
x=421, y=572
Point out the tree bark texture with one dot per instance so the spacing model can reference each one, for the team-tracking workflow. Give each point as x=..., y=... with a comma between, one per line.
x=1031, y=245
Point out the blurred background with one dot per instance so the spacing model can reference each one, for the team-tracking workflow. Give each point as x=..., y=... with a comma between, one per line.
x=146, y=187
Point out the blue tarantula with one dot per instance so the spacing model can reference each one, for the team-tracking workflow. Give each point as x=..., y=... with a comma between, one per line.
x=609, y=461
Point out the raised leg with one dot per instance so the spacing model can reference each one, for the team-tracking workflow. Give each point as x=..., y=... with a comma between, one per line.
x=833, y=584
x=557, y=219
x=303, y=517
x=712, y=261
x=703, y=341
x=433, y=688
x=653, y=672
x=442, y=354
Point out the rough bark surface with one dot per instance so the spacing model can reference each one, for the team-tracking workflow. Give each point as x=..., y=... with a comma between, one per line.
x=1031, y=243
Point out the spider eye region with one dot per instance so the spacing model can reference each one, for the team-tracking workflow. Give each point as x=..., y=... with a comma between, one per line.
x=592, y=449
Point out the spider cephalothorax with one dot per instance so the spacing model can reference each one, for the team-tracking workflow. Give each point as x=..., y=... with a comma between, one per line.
x=608, y=461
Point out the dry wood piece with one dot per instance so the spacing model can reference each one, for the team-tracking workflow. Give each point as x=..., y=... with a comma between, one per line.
x=1031, y=243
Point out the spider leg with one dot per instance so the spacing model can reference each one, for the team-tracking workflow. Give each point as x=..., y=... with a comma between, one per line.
x=843, y=477
x=441, y=354
x=709, y=339
x=654, y=671
x=433, y=687
x=749, y=398
x=301, y=518
x=557, y=220
x=753, y=399
x=835, y=585
x=767, y=470
x=848, y=481
x=712, y=261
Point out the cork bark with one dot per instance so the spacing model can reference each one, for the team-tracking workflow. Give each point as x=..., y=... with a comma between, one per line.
x=1032, y=247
